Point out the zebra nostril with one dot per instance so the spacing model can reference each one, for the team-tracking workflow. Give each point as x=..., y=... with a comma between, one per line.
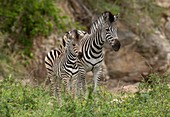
x=116, y=45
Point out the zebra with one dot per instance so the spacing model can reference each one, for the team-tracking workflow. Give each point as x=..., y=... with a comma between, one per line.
x=61, y=64
x=53, y=54
x=102, y=30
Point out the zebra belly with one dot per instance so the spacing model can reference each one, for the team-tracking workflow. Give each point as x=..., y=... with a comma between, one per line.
x=92, y=63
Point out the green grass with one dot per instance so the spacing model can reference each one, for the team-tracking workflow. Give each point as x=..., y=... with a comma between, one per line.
x=152, y=100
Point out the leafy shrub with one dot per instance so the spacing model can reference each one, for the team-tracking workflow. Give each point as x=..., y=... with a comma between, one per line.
x=25, y=19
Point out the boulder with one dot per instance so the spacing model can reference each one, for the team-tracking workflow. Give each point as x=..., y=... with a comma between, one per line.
x=163, y=3
x=167, y=30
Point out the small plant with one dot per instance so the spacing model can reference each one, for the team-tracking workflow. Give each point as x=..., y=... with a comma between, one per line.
x=155, y=82
x=151, y=101
x=16, y=99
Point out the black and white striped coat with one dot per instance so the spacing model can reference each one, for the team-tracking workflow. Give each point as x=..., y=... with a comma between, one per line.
x=103, y=30
x=61, y=64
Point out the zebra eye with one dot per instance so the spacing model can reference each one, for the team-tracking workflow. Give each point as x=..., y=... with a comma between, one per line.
x=74, y=44
x=107, y=29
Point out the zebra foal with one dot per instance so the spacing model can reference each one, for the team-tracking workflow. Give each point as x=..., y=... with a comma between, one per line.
x=53, y=54
x=61, y=64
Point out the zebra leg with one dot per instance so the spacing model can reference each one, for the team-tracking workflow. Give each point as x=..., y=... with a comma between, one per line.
x=53, y=86
x=67, y=86
x=78, y=87
x=73, y=91
x=46, y=82
x=105, y=74
x=59, y=84
x=78, y=84
x=70, y=84
x=75, y=83
x=97, y=72
x=81, y=83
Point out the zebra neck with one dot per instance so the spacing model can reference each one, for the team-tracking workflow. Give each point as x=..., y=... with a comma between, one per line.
x=93, y=46
x=99, y=40
x=68, y=63
x=96, y=25
x=69, y=56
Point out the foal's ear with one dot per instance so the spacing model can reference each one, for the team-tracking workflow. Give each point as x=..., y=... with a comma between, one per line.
x=65, y=38
x=76, y=35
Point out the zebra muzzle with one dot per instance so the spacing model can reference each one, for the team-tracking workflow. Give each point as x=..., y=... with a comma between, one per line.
x=80, y=55
x=116, y=45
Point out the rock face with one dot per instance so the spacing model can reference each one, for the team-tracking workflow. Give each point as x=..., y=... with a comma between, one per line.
x=167, y=30
x=163, y=3
x=41, y=46
x=126, y=64
x=137, y=55
x=145, y=48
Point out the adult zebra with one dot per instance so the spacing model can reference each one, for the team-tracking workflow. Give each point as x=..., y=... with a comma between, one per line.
x=61, y=64
x=102, y=30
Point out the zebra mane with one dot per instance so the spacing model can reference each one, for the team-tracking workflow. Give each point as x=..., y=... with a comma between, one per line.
x=106, y=16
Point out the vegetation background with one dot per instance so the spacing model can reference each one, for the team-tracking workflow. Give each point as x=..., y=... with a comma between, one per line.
x=135, y=81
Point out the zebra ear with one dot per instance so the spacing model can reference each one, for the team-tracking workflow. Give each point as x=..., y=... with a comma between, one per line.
x=75, y=35
x=116, y=17
x=108, y=16
x=105, y=15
